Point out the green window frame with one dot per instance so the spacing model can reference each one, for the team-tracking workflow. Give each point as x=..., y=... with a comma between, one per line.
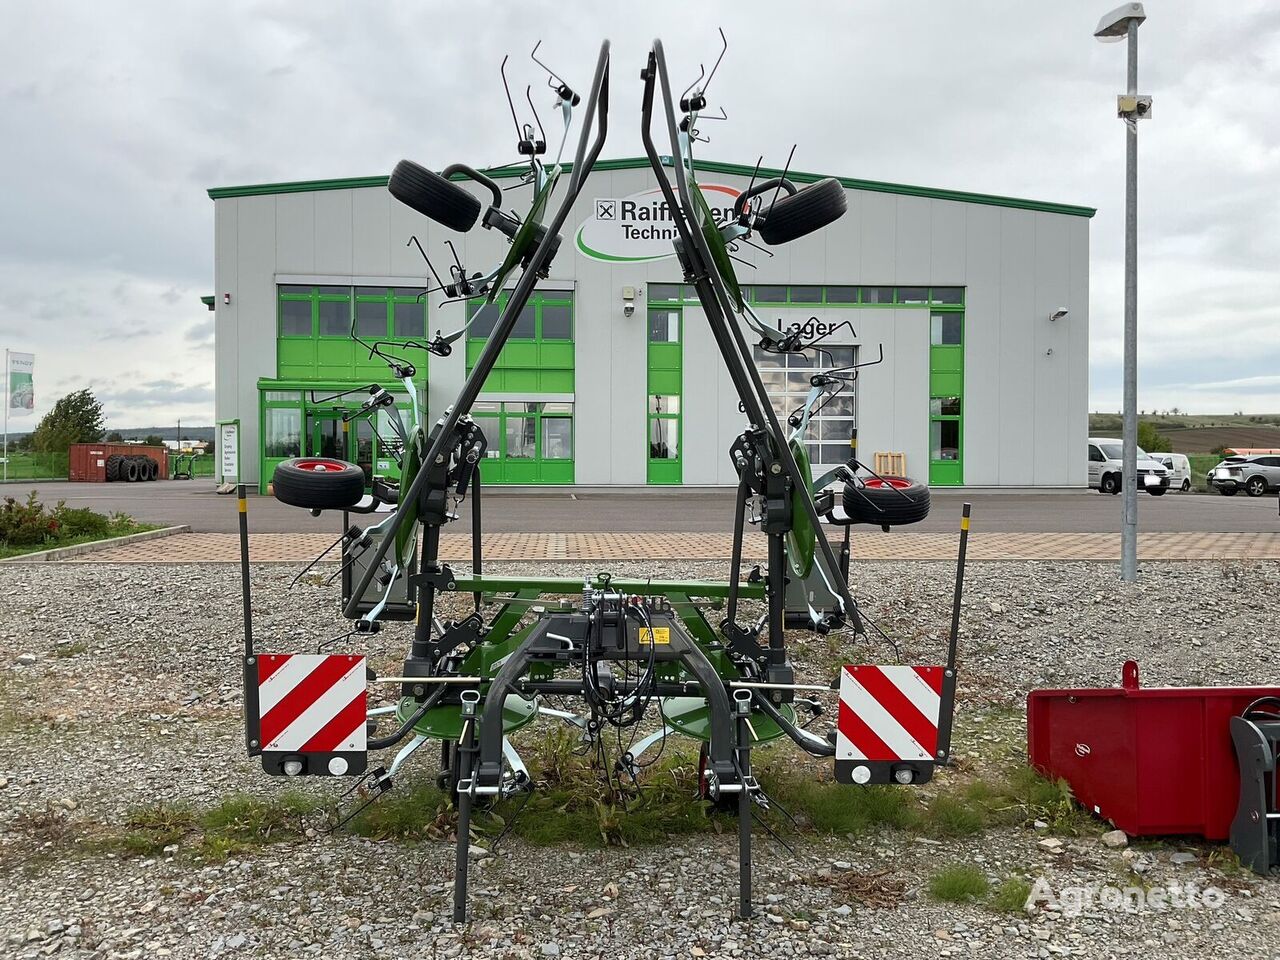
x=831, y=295
x=313, y=326
x=540, y=355
x=542, y=430
x=664, y=390
x=946, y=396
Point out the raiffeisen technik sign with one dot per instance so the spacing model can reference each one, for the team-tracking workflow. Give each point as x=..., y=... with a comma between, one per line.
x=638, y=228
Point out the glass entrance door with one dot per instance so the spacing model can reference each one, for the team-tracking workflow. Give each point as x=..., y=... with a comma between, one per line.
x=329, y=436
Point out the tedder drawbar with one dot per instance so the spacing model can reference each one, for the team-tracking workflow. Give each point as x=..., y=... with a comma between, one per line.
x=631, y=652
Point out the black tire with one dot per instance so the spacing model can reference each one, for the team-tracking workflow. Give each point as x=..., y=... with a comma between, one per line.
x=1186, y=485
x=886, y=501
x=1158, y=491
x=1256, y=486
x=803, y=212
x=318, y=483
x=1110, y=483
x=153, y=468
x=1228, y=491
x=130, y=469
x=433, y=196
x=113, y=467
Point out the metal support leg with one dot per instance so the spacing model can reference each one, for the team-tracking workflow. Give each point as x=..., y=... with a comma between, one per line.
x=462, y=852
x=742, y=714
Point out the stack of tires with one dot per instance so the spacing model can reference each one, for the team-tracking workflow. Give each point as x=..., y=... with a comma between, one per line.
x=132, y=469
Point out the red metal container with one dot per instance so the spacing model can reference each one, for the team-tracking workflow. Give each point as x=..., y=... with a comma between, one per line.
x=1153, y=761
x=88, y=461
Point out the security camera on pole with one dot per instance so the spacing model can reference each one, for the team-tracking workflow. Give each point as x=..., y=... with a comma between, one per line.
x=1121, y=24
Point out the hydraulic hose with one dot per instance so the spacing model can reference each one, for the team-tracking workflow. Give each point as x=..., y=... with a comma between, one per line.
x=381, y=743
x=811, y=744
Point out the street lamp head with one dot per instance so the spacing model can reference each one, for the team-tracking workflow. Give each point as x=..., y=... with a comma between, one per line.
x=1115, y=25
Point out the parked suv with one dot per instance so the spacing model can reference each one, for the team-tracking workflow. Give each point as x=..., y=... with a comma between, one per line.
x=1105, y=456
x=1254, y=474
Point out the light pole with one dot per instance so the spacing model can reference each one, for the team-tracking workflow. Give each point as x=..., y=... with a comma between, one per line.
x=1120, y=24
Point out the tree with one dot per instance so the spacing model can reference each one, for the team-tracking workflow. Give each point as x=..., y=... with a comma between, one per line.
x=115, y=436
x=75, y=418
x=1150, y=439
x=153, y=440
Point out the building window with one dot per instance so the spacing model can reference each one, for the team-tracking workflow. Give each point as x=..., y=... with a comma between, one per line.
x=526, y=429
x=944, y=440
x=380, y=313
x=295, y=318
x=283, y=432
x=945, y=329
x=664, y=326
x=547, y=316
x=664, y=438
x=806, y=294
x=786, y=380
x=557, y=438
x=944, y=406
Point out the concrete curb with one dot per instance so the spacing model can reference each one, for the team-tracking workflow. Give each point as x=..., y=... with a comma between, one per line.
x=63, y=553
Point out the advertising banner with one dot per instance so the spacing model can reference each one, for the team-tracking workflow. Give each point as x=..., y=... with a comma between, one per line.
x=21, y=395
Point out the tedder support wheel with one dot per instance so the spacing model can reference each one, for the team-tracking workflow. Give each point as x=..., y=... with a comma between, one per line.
x=803, y=212
x=318, y=483
x=886, y=501
x=433, y=196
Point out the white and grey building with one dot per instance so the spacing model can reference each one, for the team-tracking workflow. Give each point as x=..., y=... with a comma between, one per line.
x=979, y=303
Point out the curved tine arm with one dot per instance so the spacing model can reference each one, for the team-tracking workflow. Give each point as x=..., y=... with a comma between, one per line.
x=597, y=103
x=502, y=329
x=477, y=176
x=759, y=396
x=760, y=188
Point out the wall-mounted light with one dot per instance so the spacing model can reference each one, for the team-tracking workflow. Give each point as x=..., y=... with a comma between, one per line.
x=628, y=301
x=1059, y=314
x=226, y=298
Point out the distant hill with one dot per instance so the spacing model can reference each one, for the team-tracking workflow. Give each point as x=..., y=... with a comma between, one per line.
x=1200, y=433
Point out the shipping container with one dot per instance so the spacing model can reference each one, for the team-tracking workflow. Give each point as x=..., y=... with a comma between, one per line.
x=88, y=462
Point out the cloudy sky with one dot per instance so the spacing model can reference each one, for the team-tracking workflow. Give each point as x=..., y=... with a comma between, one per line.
x=117, y=117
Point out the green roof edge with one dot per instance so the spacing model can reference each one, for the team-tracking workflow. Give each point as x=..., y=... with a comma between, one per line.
x=708, y=166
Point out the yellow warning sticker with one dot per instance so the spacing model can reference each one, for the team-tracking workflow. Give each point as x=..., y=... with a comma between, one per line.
x=964, y=523
x=656, y=635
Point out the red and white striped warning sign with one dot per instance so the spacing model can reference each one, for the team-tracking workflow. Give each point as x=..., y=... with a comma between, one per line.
x=311, y=703
x=889, y=713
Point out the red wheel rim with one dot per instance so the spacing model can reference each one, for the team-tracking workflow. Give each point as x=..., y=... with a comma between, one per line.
x=320, y=465
x=884, y=483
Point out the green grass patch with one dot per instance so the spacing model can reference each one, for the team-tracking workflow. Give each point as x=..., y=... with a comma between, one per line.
x=955, y=816
x=824, y=806
x=958, y=883
x=1010, y=896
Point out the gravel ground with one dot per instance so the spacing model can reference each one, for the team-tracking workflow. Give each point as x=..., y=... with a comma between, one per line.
x=120, y=689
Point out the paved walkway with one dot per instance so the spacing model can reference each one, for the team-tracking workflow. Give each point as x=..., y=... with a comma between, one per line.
x=299, y=547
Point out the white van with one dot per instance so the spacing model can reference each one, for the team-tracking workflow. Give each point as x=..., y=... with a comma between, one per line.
x=1105, y=455
x=1179, y=468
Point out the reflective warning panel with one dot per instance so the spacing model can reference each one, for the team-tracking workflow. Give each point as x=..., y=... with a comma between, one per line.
x=312, y=713
x=887, y=730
